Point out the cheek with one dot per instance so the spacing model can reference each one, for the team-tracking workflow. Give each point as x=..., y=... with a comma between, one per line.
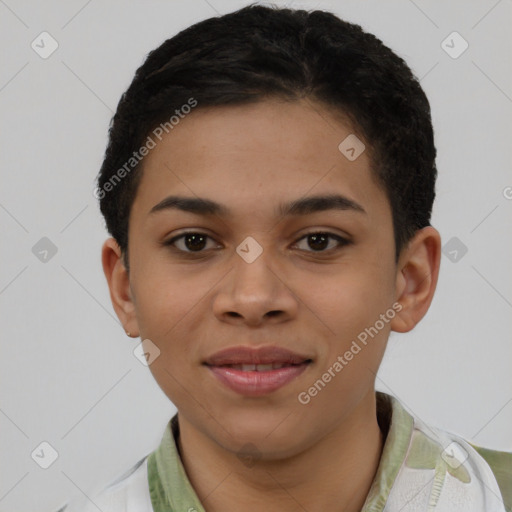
x=158, y=310
x=170, y=312
x=164, y=294
x=352, y=307
x=353, y=297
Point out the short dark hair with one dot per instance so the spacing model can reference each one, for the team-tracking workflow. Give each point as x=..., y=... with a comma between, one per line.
x=260, y=52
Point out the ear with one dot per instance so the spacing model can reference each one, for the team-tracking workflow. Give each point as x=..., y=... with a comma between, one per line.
x=416, y=279
x=119, y=286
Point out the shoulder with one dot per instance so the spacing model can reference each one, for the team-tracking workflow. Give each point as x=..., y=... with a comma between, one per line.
x=491, y=470
x=127, y=493
x=501, y=466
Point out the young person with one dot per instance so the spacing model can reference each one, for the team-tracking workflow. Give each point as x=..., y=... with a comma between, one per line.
x=268, y=186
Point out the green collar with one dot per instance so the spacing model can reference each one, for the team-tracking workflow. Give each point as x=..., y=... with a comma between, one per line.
x=171, y=490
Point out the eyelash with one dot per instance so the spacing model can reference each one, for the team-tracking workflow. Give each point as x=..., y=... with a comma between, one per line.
x=341, y=242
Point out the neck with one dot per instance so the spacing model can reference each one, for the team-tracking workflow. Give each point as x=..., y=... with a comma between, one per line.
x=336, y=473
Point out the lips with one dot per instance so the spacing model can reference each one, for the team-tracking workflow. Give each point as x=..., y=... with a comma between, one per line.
x=257, y=367
x=255, y=356
x=256, y=371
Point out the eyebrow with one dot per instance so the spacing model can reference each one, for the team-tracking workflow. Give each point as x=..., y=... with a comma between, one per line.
x=303, y=206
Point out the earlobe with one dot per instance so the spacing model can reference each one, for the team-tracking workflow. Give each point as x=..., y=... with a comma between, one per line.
x=119, y=286
x=416, y=280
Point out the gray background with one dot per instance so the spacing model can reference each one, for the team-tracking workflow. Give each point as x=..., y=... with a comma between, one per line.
x=69, y=376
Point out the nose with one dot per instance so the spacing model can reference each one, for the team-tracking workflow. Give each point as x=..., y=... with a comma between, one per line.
x=256, y=292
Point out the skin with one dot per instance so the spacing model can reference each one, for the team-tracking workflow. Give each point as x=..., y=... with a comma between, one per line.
x=319, y=456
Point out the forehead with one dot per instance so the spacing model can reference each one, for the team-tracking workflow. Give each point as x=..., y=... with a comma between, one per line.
x=250, y=157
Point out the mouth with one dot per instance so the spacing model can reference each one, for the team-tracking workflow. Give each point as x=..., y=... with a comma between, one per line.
x=260, y=356
x=259, y=367
x=256, y=372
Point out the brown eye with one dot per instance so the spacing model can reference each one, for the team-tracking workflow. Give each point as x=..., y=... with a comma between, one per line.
x=319, y=241
x=189, y=242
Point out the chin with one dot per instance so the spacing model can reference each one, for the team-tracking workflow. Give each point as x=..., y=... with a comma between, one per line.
x=270, y=436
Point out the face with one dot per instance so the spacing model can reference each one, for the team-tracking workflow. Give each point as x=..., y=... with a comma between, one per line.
x=267, y=267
